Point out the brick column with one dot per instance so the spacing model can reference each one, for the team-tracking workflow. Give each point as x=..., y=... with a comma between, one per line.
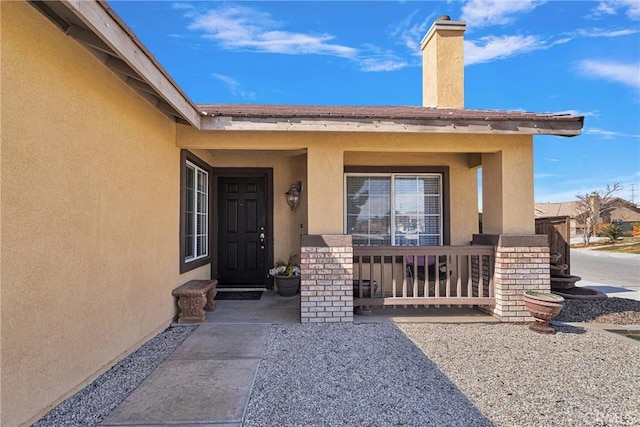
x=522, y=264
x=326, y=288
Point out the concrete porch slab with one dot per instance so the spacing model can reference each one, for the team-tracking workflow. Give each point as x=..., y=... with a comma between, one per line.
x=271, y=309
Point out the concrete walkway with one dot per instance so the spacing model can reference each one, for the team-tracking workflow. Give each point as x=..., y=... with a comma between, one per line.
x=207, y=381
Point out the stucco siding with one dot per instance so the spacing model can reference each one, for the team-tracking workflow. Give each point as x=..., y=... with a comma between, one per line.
x=507, y=199
x=90, y=216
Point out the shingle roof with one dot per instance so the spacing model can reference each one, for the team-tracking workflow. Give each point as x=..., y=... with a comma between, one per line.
x=376, y=112
x=557, y=209
x=385, y=119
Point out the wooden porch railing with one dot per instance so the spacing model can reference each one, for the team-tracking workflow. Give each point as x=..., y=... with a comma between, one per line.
x=423, y=275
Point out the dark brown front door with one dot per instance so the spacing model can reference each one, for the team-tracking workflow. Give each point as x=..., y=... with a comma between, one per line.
x=242, y=232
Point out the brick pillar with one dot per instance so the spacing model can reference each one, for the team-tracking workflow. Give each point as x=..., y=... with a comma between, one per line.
x=522, y=263
x=326, y=289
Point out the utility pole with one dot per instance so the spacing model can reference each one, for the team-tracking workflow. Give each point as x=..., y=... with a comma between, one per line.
x=633, y=194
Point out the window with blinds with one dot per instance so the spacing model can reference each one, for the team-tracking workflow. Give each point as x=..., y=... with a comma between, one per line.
x=394, y=209
x=196, y=237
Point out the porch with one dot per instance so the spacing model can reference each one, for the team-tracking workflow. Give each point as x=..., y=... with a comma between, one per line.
x=491, y=273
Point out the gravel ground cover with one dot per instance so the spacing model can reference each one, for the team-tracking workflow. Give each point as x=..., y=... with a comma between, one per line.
x=617, y=311
x=97, y=400
x=444, y=375
x=416, y=375
x=352, y=375
x=517, y=377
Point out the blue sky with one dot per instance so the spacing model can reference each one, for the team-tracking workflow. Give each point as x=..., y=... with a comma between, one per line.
x=581, y=57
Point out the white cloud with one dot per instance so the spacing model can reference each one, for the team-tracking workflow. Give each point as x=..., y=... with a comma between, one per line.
x=239, y=27
x=187, y=10
x=244, y=28
x=410, y=34
x=608, y=134
x=627, y=74
x=490, y=48
x=594, y=113
x=612, y=7
x=234, y=87
x=377, y=64
x=374, y=59
x=182, y=6
x=602, y=33
x=482, y=13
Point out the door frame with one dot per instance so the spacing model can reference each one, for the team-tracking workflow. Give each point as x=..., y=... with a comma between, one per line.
x=266, y=173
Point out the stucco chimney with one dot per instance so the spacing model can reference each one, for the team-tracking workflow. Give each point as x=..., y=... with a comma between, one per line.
x=443, y=64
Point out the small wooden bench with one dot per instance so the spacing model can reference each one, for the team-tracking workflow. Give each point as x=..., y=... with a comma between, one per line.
x=194, y=297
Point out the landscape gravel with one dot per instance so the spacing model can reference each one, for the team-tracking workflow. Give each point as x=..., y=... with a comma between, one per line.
x=444, y=375
x=618, y=311
x=352, y=375
x=416, y=374
x=97, y=400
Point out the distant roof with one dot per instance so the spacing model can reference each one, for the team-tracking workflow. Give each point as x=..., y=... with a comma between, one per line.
x=543, y=210
x=425, y=118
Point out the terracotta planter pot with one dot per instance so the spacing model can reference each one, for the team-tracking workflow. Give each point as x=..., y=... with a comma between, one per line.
x=543, y=307
x=287, y=285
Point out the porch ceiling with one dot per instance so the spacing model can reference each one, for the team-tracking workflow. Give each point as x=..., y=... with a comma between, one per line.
x=248, y=117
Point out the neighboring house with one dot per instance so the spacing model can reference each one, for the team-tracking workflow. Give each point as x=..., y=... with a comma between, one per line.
x=623, y=212
x=570, y=209
x=116, y=189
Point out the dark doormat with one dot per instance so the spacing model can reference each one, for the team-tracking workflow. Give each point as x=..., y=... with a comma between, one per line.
x=242, y=295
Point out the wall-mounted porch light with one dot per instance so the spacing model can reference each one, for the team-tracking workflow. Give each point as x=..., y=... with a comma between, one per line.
x=293, y=195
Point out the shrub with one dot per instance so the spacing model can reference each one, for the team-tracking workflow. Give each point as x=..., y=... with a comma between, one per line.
x=612, y=232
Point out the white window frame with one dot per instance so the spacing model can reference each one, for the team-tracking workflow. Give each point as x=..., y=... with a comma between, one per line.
x=203, y=231
x=392, y=176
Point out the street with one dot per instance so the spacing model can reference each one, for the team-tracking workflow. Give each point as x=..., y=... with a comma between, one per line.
x=616, y=274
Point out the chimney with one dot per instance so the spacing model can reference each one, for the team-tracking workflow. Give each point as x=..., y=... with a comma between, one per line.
x=443, y=64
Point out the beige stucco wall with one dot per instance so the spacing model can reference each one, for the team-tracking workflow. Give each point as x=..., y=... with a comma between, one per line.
x=328, y=153
x=507, y=190
x=89, y=216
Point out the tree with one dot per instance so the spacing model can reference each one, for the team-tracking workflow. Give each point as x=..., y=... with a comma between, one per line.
x=612, y=232
x=593, y=206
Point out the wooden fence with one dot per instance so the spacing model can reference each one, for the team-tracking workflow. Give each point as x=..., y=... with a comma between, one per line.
x=558, y=230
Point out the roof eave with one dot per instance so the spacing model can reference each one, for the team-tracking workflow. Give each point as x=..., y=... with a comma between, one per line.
x=98, y=29
x=327, y=124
